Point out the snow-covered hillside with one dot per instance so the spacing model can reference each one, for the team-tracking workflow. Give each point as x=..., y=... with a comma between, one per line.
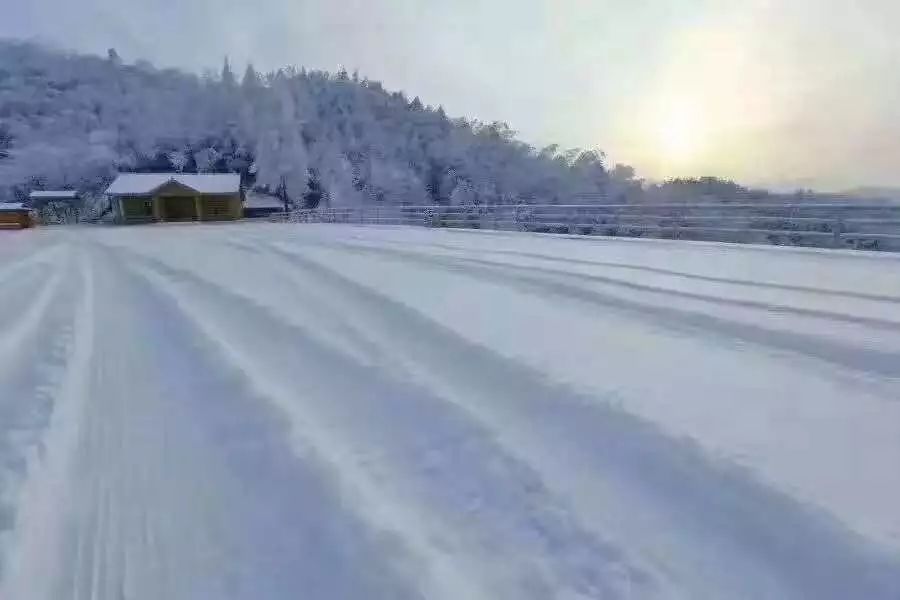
x=336, y=139
x=324, y=411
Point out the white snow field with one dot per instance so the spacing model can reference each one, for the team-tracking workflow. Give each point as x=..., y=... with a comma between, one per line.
x=262, y=411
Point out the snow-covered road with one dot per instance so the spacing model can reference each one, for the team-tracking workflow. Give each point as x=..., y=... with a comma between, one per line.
x=260, y=411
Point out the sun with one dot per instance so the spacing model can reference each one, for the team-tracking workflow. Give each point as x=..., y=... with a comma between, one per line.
x=679, y=134
x=677, y=141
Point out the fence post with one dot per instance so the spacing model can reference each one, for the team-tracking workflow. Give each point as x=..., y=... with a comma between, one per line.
x=520, y=220
x=837, y=227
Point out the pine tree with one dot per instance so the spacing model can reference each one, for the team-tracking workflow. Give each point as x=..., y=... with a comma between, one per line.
x=228, y=79
x=251, y=79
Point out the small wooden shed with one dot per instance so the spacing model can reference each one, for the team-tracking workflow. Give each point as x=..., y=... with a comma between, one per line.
x=149, y=197
x=258, y=205
x=15, y=215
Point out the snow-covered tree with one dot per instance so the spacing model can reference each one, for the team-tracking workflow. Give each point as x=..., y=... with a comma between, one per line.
x=251, y=81
x=178, y=159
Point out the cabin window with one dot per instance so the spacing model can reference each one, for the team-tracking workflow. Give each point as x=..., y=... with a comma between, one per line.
x=137, y=207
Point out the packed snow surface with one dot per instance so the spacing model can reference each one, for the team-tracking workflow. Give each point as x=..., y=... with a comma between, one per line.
x=261, y=411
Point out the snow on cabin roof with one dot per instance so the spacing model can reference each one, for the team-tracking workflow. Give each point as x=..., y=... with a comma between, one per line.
x=12, y=207
x=146, y=183
x=47, y=194
x=257, y=200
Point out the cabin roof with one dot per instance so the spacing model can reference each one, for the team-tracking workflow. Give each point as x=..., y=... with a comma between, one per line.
x=142, y=184
x=257, y=200
x=51, y=194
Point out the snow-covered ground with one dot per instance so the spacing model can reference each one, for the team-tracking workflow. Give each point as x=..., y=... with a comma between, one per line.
x=260, y=411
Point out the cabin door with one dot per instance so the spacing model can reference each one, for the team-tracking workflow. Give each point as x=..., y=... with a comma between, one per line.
x=178, y=208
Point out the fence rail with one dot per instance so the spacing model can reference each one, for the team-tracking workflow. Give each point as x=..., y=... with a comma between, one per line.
x=861, y=226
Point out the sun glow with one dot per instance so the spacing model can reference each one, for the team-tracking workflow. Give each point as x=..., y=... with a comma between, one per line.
x=679, y=134
x=708, y=105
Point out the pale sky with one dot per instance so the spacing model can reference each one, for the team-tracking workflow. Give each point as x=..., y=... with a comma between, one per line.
x=776, y=92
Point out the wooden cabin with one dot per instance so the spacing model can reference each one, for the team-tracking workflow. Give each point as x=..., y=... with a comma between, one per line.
x=154, y=197
x=15, y=215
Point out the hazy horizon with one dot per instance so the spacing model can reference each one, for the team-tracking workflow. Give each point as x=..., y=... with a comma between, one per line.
x=799, y=96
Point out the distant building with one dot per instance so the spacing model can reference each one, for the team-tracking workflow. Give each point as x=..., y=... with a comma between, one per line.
x=56, y=206
x=261, y=205
x=148, y=197
x=15, y=215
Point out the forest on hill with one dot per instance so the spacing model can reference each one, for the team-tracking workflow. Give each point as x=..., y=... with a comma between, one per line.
x=325, y=139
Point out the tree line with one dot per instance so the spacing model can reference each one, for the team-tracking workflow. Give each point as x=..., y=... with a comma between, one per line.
x=321, y=139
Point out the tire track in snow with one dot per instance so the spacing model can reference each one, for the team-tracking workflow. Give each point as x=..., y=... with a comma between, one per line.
x=435, y=575
x=39, y=529
x=486, y=517
x=580, y=278
x=768, y=534
x=30, y=355
x=840, y=325
x=19, y=245
x=40, y=258
x=330, y=328
x=658, y=244
x=745, y=283
x=170, y=482
x=29, y=316
x=566, y=287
